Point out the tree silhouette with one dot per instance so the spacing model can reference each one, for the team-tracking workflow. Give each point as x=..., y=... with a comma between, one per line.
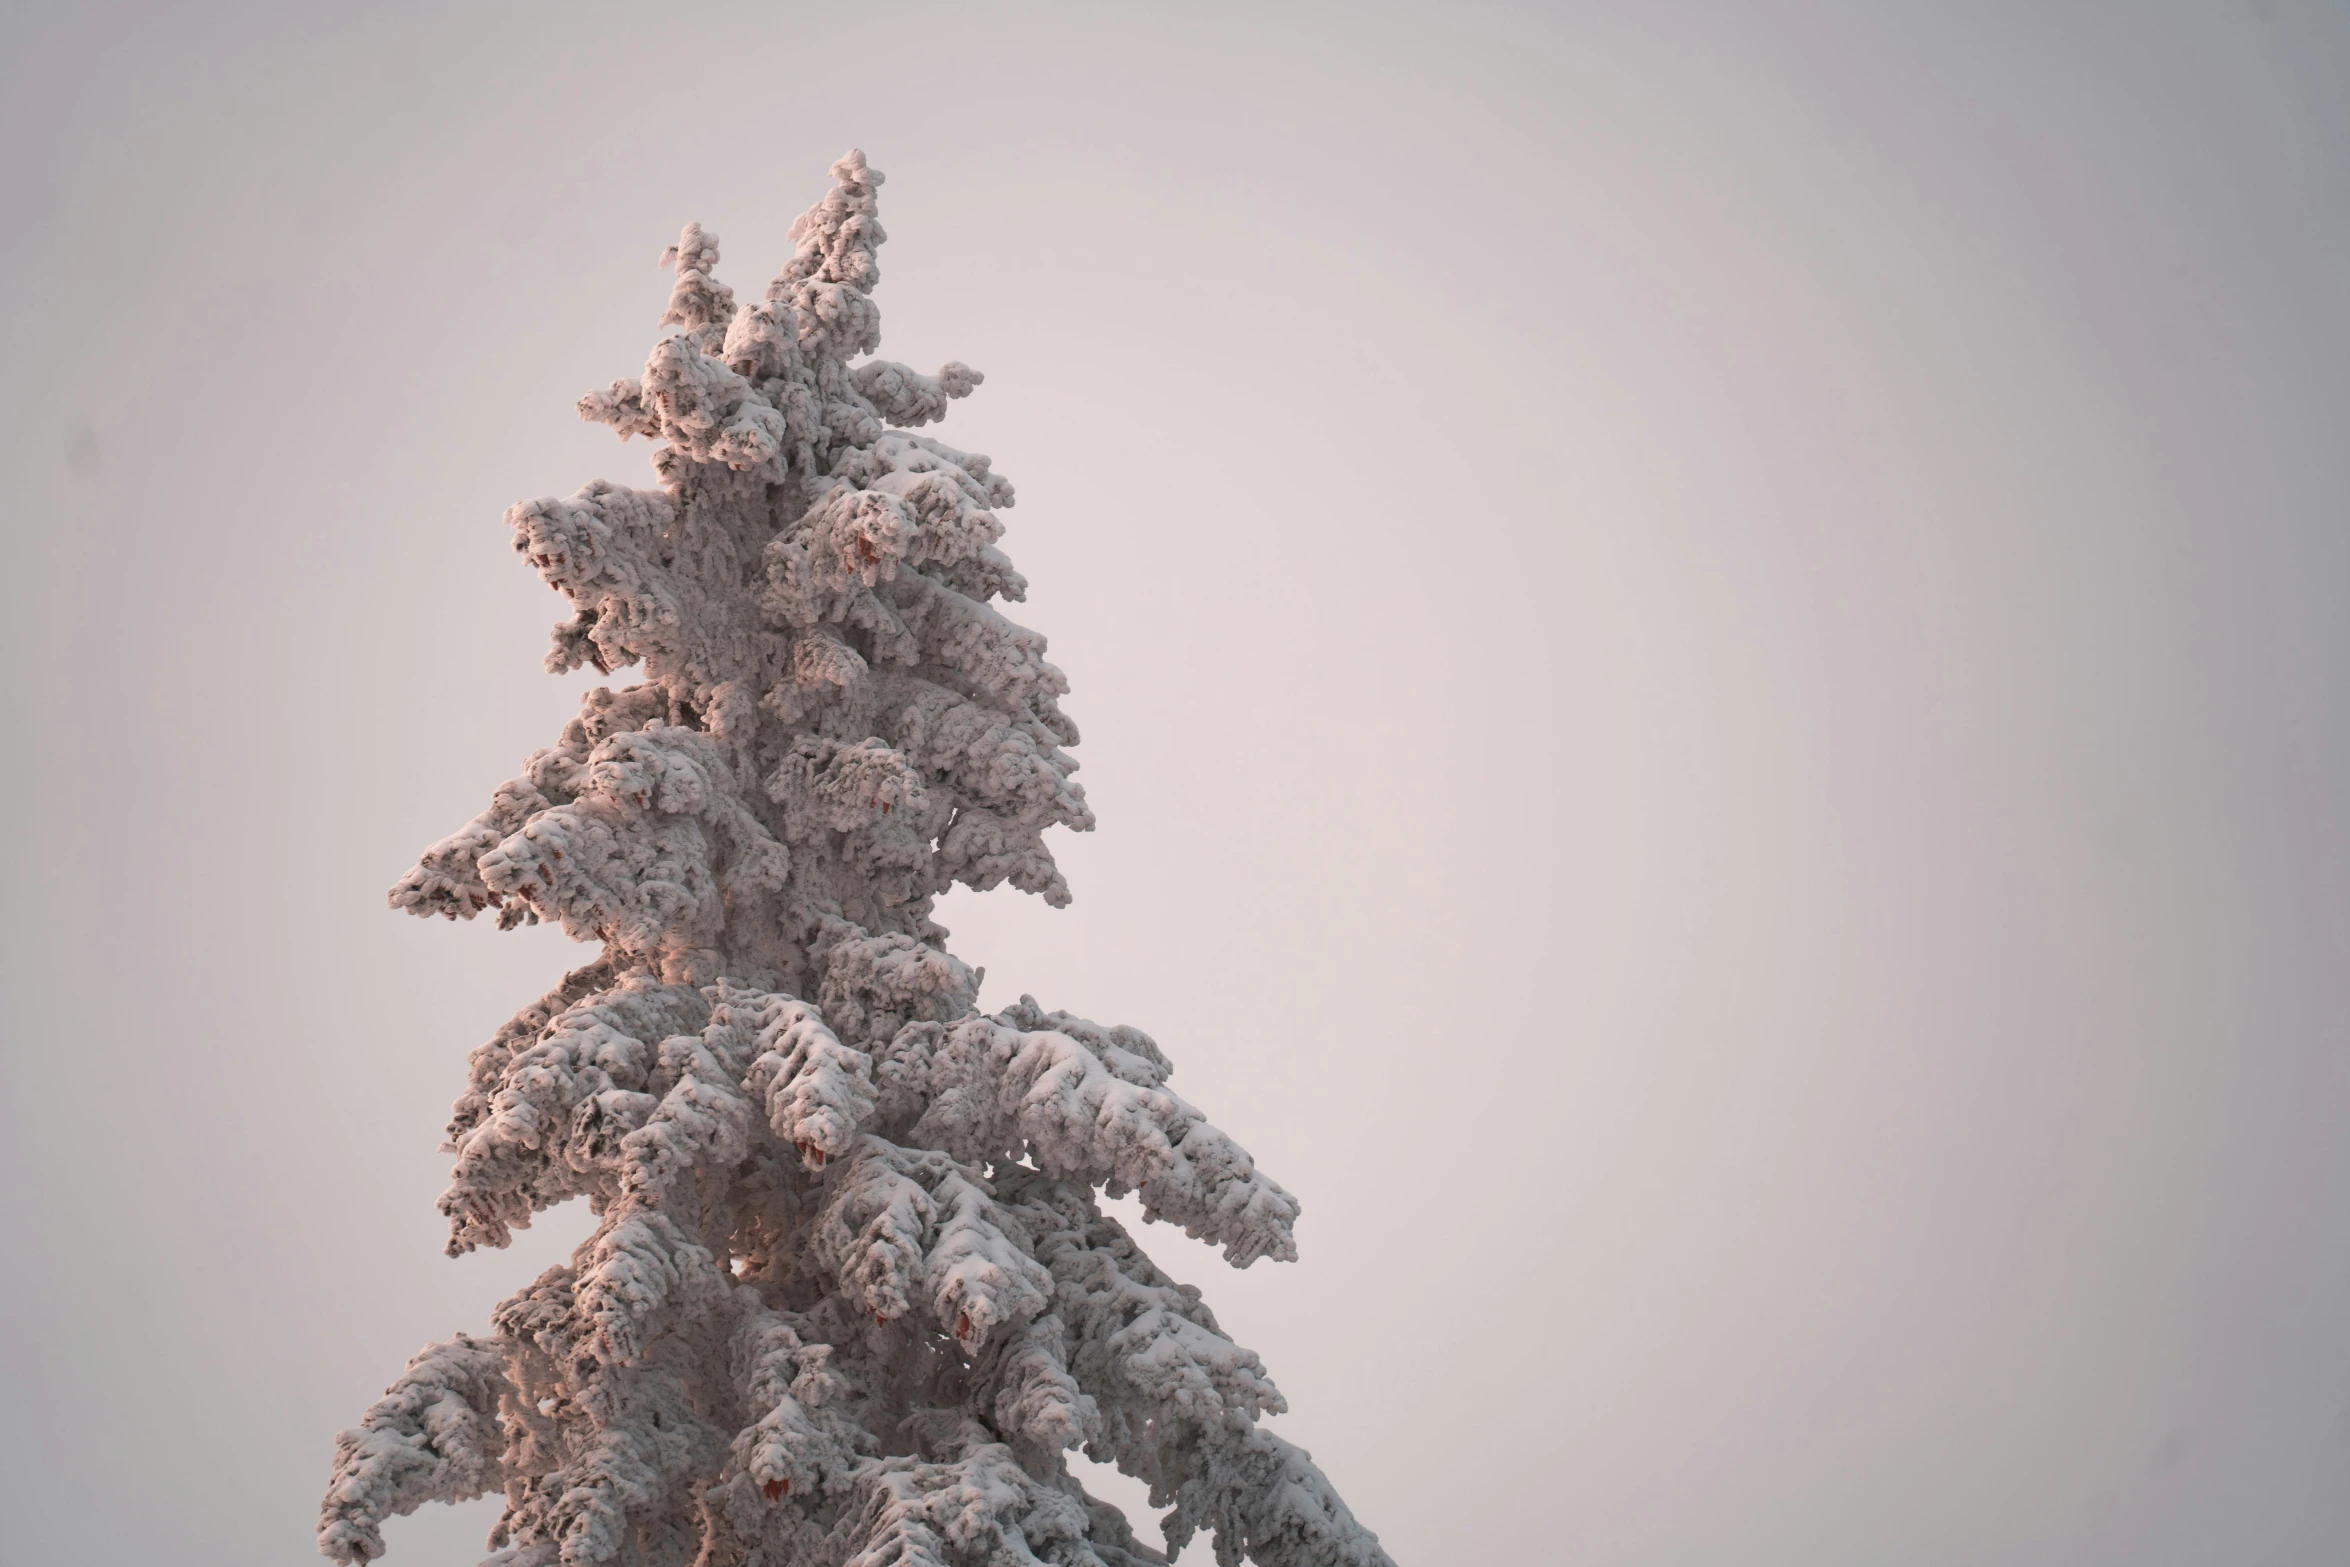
x=850, y=1297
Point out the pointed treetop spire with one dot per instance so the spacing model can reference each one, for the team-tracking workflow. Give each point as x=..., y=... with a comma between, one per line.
x=840, y=236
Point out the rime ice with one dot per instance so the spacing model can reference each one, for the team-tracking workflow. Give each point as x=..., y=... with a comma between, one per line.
x=850, y=1298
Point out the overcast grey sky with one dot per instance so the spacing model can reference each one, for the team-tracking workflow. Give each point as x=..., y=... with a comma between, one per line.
x=1713, y=649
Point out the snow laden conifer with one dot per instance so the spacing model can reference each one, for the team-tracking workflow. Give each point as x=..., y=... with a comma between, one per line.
x=850, y=1297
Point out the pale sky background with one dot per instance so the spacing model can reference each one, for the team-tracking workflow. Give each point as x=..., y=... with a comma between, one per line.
x=1714, y=644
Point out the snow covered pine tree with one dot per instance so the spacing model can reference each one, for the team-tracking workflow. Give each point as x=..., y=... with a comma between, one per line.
x=850, y=1297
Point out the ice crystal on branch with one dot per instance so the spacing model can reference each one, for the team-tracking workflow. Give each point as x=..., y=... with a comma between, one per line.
x=850, y=1299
